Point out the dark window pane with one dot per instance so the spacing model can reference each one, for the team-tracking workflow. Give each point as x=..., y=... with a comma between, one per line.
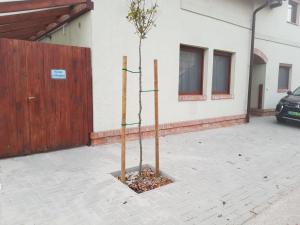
x=284, y=77
x=190, y=76
x=221, y=74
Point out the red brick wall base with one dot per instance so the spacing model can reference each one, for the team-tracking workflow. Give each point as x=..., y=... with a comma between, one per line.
x=263, y=112
x=113, y=136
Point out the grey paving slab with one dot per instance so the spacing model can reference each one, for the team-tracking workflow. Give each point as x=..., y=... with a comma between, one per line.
x=223, y=176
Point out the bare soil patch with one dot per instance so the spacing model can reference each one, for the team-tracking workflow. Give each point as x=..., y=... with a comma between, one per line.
x=146, y=181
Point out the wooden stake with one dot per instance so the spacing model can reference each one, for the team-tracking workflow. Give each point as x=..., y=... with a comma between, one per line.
x=157, y=169
x=123, y=129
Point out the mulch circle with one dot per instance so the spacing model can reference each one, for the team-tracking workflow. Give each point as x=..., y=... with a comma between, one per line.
x=146, y=181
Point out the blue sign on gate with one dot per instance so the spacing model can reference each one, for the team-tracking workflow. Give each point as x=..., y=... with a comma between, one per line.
x=58, y=74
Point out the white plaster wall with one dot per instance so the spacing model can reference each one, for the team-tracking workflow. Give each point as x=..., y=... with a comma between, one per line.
x=272, y=25
x=110, y=36
x=113, y=37
x=279, y=41
x=77, y=33
x=234, y=11
x=279, y=53
x=259, y=75
x=211, y=24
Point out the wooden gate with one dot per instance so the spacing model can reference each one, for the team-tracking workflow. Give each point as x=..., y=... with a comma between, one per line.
x=45, y=97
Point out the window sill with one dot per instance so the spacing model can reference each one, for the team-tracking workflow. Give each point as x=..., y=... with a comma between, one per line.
x=185, y=98
x=282, y=90
x=221, y=96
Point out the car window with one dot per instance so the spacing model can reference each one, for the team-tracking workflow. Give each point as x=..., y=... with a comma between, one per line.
x=297, y=92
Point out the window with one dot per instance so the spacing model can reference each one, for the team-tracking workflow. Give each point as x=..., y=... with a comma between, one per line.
x=284, y=78
x=292, y=12
x=191, y=71
x=221, y=73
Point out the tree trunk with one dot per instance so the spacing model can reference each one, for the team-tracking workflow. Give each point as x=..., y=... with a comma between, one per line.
x=140, y=106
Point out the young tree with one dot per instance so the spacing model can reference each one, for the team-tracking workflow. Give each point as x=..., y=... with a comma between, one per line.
x=142, y=14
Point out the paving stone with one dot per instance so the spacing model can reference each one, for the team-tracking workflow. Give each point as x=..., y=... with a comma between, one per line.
x=221, y=181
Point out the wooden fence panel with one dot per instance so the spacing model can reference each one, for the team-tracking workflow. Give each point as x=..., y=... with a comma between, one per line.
x=7, y=129
x=36, y=97
x=39, y=113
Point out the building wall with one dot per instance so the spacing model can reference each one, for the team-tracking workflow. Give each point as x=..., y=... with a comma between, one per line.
x=76, y=33
x=279, y=53
x=222, y=10
x=272, y=26
x=259, y=76
x=113, y=37
x=194, y=23
x=279, y=41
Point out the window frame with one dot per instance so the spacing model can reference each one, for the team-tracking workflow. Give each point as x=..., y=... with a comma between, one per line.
x=198, y=50
x=225, y=54
x=289, y=67
x=296, y=5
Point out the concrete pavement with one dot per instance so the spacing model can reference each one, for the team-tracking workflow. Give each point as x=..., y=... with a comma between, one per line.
x=223, y=176
x=284, y=212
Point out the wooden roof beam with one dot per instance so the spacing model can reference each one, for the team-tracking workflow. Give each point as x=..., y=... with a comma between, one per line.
x=26, y=24
x=34, y=16
x=22, y=33
x=17, y=6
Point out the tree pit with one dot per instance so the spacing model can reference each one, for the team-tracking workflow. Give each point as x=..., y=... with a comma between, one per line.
x=147, y=181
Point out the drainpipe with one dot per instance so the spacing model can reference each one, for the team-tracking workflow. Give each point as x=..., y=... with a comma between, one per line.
x=272, y=4
x=252, y=57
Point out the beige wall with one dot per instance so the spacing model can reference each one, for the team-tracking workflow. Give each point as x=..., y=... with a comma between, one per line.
x=279, y=41
x=113, y=37
x=77, y=33
x=259, y=76
x=272, y=25
x=225, y=11
x=277, y=54
x=221, y=25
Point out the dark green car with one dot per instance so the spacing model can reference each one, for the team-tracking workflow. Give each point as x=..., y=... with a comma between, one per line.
x=289, y=107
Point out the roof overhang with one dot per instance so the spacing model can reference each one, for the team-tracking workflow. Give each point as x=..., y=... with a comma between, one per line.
x=33, y=19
